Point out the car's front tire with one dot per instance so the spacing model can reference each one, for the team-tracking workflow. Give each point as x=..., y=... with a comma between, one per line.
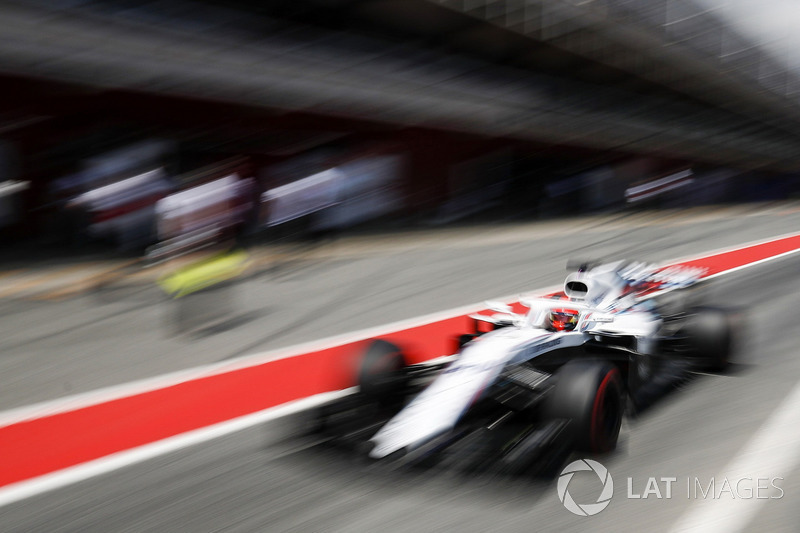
x=590, y=395
x=381, y=375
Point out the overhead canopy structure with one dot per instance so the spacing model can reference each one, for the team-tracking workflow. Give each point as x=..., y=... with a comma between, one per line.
x=657, y=77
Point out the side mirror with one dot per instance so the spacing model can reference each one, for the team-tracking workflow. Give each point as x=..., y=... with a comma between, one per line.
x=500, y=319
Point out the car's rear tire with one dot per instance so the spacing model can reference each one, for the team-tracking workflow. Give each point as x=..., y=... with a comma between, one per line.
x=590, y=395
x=709, y=335
x=381, y=375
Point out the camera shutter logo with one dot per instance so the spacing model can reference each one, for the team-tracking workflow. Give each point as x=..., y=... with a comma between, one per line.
x=588, y=509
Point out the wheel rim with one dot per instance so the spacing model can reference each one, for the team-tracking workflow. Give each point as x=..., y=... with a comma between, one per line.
x=606, y=413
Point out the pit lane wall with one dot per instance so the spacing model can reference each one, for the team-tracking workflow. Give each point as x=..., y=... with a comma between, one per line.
x=46, y=439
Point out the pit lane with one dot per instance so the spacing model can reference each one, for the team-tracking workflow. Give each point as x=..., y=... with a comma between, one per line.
x=266, y=479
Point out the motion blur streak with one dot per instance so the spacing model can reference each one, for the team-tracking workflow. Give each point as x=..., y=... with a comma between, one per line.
x=192, y=190
x=107, y=428
x=67, y=476
x=773, y=451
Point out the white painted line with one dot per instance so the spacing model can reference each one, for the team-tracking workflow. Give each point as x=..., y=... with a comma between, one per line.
x=61, y=478
x=754, y=263
x=106, y=394
x=730, y=270
x=773, y=452
x=727, y=249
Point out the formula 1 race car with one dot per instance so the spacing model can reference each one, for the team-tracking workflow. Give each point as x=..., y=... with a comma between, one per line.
x=557, y=378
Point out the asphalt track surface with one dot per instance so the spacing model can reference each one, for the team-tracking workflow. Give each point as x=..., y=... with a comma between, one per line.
x=269, y=478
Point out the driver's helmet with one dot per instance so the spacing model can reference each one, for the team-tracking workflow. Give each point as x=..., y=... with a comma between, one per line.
x=562, y=319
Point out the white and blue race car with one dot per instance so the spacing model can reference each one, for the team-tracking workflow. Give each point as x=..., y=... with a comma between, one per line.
x=559, y=377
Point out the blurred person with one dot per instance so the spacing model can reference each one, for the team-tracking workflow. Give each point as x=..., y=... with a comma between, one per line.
x=206, y=223
x=122, y=210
